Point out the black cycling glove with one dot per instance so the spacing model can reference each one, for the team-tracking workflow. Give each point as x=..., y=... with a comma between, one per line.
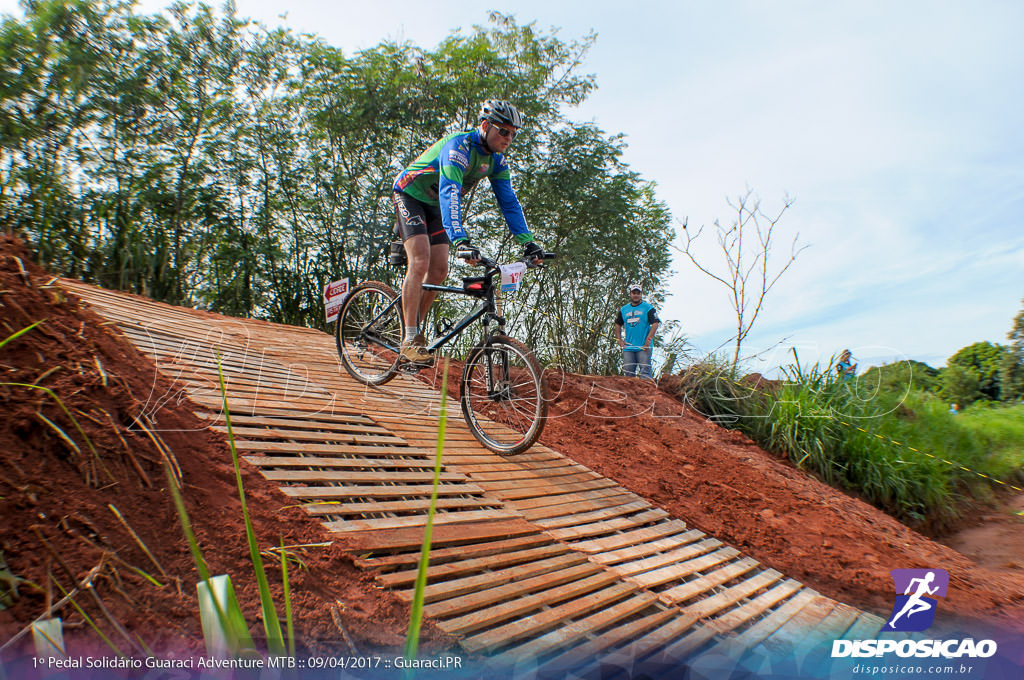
x=532, y=251
x=465, y=250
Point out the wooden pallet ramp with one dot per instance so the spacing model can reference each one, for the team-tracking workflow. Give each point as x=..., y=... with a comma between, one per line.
x=536, y=559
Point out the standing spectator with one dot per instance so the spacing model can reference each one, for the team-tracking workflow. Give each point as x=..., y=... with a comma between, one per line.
x=641, y=323
x=845, y=368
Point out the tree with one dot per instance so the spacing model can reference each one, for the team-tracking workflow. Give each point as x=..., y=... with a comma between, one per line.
x=984, y=360
x=199, y=158
x=901, y=377
x=747, y=272
x=960, y=385
x=1011, y=369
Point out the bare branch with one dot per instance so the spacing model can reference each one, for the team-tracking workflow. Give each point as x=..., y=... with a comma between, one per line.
x=742, y=262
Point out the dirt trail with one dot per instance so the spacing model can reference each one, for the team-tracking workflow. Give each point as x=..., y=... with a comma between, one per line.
x=55, y=496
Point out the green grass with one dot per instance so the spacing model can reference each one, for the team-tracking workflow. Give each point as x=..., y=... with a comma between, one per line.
x=412, y=640
x=1002, y=431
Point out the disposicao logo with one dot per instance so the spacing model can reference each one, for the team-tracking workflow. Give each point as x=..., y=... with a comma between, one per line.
x=914, y=611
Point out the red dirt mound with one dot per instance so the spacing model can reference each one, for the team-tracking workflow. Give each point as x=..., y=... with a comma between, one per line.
x=719, y=481
x=61, y=480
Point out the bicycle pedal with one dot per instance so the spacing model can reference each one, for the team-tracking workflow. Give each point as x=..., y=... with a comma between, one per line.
x=414, y=366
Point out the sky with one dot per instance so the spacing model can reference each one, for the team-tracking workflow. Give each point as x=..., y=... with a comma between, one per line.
x=894, y=129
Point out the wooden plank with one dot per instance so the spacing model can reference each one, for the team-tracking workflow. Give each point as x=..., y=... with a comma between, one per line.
x=310, y=435
x=602, y=511
x=399, y=539
x=866, y=627
x=630, y=537
x=381, y=491
x=353, y=476
x=563, y=505
x=801, y=629
x=448, y=555
x=329, y=449
x=579, y=630
x=347, y=423
x=545, y=620
x=754, y=635
x=688, y=551
x=323, y=462
x=609, y=525
x=535, y=482
x=680, y=570
x=478, y=582
x=472, y=604
x=419, y=505
x=518, y=477
x=735, y=618
x=656, y=639
x=440, y=519
x=833, y=626
x=541, y=490
x=690, y=643
x=575, y=659
x=684, y=592
x=537, y=466
x=504, y=610
x=648, y=548
x=440, y=572
x=730, y=596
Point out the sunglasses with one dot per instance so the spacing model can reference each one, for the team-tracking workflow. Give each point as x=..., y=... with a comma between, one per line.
x=505, y=132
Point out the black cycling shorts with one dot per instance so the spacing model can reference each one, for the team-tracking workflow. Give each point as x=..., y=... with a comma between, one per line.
x=414, y=217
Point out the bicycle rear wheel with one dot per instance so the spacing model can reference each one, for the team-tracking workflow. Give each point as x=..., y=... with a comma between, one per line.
x=368, y=333
x=504, y=395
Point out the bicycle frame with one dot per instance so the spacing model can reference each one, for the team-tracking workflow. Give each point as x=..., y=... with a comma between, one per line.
x=489, y=308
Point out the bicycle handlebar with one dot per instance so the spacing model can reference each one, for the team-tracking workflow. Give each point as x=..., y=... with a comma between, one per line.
x=491, y=264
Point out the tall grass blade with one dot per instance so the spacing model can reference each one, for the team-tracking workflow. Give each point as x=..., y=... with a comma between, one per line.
x=74, y=422
x=220, y=634
x=48, y=638
x=138, y=540
x=271, y=622
x=289, y=622
x=416, y=616
x=238, y=638
x=20, y=333
x=88, y=620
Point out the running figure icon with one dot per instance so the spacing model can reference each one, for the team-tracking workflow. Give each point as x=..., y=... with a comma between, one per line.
x=917, y=602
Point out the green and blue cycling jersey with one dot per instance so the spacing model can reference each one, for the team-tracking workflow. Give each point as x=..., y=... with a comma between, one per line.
x=443, y=174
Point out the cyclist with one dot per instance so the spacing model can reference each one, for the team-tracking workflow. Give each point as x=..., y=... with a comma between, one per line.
x=428, y=209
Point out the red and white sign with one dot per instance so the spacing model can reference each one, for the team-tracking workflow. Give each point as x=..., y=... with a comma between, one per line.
x=334, y=295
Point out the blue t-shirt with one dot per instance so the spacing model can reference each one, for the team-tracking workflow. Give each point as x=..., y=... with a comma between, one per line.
x=637, y=320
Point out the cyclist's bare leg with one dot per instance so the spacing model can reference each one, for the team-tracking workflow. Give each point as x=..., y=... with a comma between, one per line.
x=418, y=251
x=437, y=272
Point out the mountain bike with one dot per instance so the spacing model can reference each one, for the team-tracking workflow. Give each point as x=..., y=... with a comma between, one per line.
x=503, y=392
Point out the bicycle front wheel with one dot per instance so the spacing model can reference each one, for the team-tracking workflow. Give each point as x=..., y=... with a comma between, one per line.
x=368, y=333
x=504, y=395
